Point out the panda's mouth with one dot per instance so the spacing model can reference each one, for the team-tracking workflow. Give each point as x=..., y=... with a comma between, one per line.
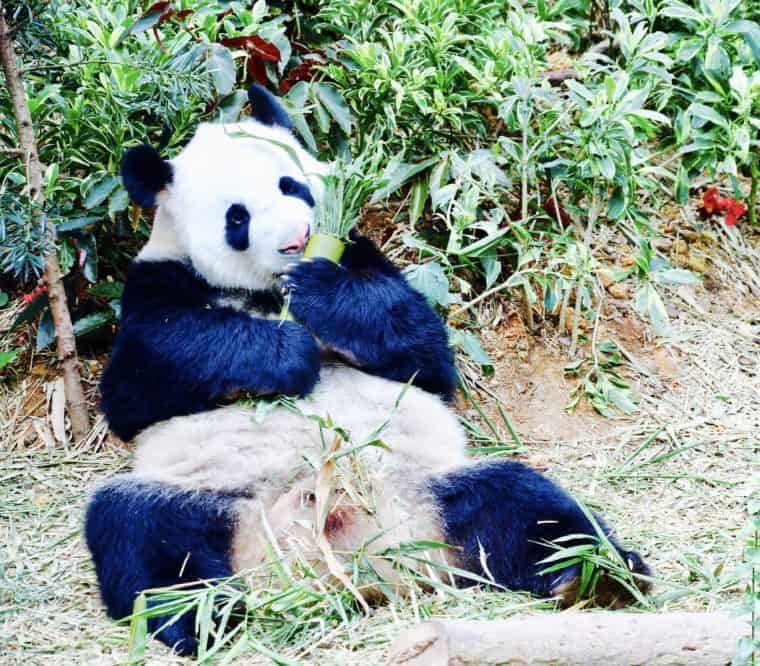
x=290, y=249
x=296, y=246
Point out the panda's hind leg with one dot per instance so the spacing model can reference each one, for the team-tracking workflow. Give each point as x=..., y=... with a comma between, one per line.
x=144, y=534
x=510, y=512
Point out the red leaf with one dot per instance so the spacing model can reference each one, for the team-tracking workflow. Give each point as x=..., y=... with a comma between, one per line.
x=306, y=71
x=258, y=51
x=157, y=7
x=254, y=45
x=256, y=70
x=554, y=208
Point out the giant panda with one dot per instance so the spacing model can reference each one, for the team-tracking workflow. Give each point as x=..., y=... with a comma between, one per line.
x=213, y=481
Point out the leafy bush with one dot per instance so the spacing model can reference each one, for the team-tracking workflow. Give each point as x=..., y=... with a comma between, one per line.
x=514, y=170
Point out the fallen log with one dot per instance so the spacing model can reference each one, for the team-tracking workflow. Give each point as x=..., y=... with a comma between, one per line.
x=588, y=639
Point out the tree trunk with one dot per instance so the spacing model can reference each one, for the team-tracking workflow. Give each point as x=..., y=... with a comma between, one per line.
x=65, y=340
x=575, y=639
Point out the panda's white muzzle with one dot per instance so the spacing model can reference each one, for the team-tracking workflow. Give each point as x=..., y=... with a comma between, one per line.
x=298, y=244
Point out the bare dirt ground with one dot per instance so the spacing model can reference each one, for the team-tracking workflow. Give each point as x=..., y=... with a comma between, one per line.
x=673, y=478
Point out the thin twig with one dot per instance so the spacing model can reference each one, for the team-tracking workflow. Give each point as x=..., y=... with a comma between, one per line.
x=488, y=292
x=557, y=76
x=65, y=340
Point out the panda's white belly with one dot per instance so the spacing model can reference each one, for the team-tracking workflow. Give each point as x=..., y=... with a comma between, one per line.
x=233, y=449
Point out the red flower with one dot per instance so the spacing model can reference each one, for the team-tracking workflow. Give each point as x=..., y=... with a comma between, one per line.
x=712, y=203
x=734, y=211
x=37, y=291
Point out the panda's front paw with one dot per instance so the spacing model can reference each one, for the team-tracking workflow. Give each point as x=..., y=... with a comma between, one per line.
x=297, y=369
x=312, y=287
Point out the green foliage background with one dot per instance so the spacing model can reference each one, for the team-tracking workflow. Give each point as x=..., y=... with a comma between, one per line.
x=512, y=172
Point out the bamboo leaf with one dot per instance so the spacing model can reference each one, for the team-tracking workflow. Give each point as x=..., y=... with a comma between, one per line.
x=138, y=631
x=417, y=200
x=7, y=357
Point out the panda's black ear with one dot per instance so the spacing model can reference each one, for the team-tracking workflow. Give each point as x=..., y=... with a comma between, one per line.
x=144, y=174
x=266, y=108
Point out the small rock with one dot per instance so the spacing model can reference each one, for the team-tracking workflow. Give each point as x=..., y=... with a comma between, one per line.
x=697, y=262
x=627, y=260
x=606, y=277
x=618, y=290
x=663, y=244
x=680, y=246
x=666, y=366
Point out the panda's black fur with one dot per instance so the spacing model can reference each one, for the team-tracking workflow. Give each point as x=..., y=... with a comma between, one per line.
x=193, y=334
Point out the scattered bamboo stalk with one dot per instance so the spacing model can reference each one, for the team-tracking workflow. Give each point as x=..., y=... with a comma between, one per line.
x=488, y=292
x=576, y=319
x=752, y=200
x=588, y=639
x=65, y=339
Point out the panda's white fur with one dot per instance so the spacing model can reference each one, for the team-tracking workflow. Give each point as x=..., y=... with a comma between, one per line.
x=277, y=457
x=239, y=163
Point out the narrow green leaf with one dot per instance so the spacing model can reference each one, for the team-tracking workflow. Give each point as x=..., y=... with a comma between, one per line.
x=709, y=114
x=78, y=223
x=138, y=631
x=45, y=331
x=682, y=185
x=99, y=192
x=30, y=312
x=417, y=199
x=677, y=276
x=92, y=322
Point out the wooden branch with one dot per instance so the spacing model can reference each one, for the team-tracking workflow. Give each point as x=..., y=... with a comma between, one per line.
x=575, y=638
x=601, y=47
x=557, y=76
x=65, y=340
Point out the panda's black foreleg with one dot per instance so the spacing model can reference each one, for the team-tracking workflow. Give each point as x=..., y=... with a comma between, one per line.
x=144, y=535
x=365, y=309
x=510, y=512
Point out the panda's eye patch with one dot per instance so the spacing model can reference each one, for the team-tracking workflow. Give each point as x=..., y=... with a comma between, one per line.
x=290, y=187
x=237, y=220
x=237, y=214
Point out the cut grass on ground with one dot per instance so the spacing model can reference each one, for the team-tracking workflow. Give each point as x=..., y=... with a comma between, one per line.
x=673, y=479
